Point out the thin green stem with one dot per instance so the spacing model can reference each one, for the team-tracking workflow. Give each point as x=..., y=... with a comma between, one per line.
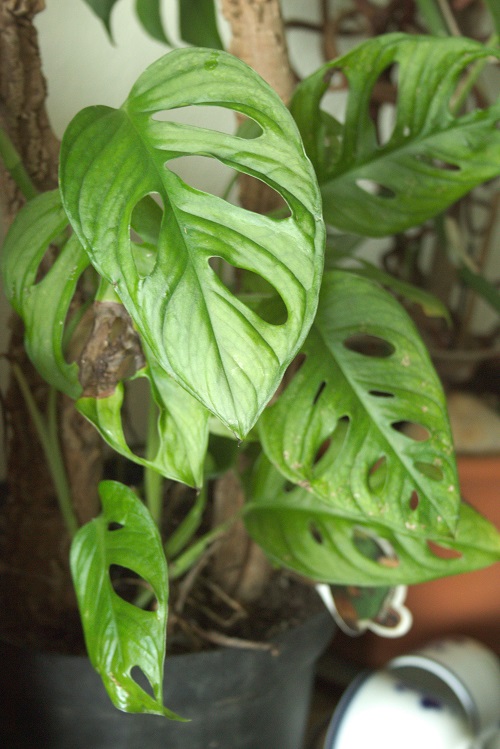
x=48, y=436
x=188, y=527
x=188, y=558
x=433, y=17
x=471, y=78
x=153, y=481
x=15, y=166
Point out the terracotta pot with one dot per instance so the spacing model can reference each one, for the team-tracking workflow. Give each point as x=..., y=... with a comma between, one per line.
x=467, y=604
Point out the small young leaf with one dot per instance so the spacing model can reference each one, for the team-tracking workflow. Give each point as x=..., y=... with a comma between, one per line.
x=119, y=635
x=203, y=336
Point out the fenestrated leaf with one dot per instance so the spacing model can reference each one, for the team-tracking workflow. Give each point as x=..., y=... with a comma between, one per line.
x=182, y=426
x=432, y=157
x=43, y=305
x=118, y=634
x=338, y=426
x=198, y=24
x=210, y=342
x=302, y=532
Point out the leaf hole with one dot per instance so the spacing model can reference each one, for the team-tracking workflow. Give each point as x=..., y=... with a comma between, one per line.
x=145, y=224
x=291, y=372
x=429, y=470
x=206, y=174
x=436, y=163
x=210, y=117
x=375, y=188
x=443, y=552
x=252, y=289
x=142, y=680
x=315, y=532
x=115, y=526
x=127, y=584
x=414, y=500
x=376, y=549
x=318, y=392
x=322, y=450
x=381, y=394
x=369, y=345
x=289, y=486
x=382, y=104
x=260, y=197
x=330, y=448
x=412, y=430
x=377, y=475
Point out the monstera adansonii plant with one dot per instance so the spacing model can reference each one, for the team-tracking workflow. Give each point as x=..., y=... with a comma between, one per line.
x=225, y=301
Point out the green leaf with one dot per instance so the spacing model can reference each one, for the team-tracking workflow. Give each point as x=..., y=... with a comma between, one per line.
x=118, y=634
x=43, y=305
x=336, y=429
x=494, y=9
x=182, y=426
x=431, y=305
x=489, y=293
x=431, y=159
x=210, y=342
x=198, y=23
x=149, y=14
x=302, y=532
x=103, y=9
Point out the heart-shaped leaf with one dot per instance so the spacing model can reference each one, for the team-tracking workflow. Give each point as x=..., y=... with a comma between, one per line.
x=119, y=635
x=363, y=423
x=207, y=339
x=302, y=532
x=432, y=157
x=43, y=305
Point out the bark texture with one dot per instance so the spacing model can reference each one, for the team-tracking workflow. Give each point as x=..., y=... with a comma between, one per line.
x=35, y=586
x=258, y=38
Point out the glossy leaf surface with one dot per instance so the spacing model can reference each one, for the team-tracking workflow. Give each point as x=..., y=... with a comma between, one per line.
x=430, y=159
x=119, y=635
x=363, y=423
x=44, y=304
x=210, y=342
x=182, y=427
x=302, y=532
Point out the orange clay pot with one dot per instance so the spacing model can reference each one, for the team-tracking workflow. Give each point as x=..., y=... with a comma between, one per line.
x=467, y=604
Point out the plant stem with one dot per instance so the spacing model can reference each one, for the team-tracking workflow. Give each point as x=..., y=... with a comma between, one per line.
x=14, y=165
x=184, y=533
x=189, y=557
x=433, y=17
x=471, y=79
x=47, y=434
x=153, y=481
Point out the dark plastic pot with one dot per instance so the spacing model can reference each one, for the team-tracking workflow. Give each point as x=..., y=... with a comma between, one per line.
x=236, y=699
